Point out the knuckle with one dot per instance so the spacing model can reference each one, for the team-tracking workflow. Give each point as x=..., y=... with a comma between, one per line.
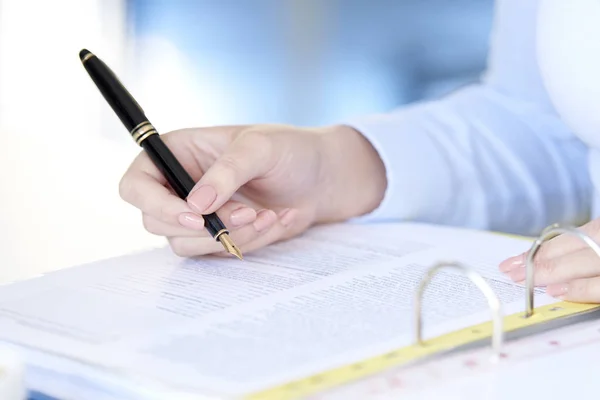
x=127, y=184
x=174, y=136
x=229, y=163
x=178, y=251
x=231, y=167
x=542, y=252
x=186, y=247
x=125, y=188
x=580, y=289
x=544, y=266
x=150, y=225
x=163, y=213
x=255, y=135
x=179, y=247
x=259, y=139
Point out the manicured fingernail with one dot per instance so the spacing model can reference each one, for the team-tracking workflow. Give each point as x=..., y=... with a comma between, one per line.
x=287, y=216
x=242, y=216
x=512, y=263
x=201, y=198
x=191, y=221
x=264, y=219
x=557, y=290
x=517, y=275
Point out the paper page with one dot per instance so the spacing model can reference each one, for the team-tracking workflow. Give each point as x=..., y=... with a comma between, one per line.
x=335, y=295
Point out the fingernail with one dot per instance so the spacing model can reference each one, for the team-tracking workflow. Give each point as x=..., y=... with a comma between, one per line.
x=287, y=216
x=202, y=198
x=264, y=219
x=512, y=263
x=517, y=275
x=557, y=290
x=191, y=221
x=243, y=216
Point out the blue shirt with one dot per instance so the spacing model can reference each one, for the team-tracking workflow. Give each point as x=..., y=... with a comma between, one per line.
x=494, y=155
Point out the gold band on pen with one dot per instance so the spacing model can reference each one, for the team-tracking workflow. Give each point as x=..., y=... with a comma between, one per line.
x=145, y=135
x=142, y=131
x=87, y=57
x=138, y=126
x=222, y=231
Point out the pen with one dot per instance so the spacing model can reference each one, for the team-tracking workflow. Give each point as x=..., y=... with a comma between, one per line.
x=147, y=137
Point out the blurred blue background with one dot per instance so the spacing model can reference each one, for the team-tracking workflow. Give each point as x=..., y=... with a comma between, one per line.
x=307, y=62
x=194, y=63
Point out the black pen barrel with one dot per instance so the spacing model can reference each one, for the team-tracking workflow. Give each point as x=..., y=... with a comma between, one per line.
x=179, y=180
x=145, y=135
x=120, y=100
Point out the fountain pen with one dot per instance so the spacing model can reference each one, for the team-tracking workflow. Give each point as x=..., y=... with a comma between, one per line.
x=147, y=137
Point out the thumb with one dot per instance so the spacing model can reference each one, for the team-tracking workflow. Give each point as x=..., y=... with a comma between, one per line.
x=246, y=158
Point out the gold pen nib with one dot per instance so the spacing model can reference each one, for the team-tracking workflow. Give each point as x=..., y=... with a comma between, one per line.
x=230, y=246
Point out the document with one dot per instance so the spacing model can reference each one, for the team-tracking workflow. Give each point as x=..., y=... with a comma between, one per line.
x=212, y=325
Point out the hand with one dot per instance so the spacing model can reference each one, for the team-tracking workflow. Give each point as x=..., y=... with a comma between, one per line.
x=565, y=264
x=266, y=182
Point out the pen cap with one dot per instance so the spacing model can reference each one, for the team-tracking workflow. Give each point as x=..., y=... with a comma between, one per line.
x=115, y=93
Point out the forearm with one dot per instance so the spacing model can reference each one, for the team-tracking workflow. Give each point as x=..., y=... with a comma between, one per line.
x=481, y=160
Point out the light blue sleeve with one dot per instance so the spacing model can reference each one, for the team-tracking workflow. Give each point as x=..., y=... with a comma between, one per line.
x=493, y=155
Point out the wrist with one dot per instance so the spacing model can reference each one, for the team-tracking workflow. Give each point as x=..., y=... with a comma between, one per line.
x=353, y=177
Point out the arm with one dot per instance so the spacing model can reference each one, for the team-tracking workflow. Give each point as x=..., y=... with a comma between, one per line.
x=491, y=156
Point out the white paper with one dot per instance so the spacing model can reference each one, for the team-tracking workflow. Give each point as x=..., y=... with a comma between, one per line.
x=335, y=295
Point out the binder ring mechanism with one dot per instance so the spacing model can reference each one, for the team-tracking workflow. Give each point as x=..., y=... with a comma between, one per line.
x=548, y=233
x=479, y=281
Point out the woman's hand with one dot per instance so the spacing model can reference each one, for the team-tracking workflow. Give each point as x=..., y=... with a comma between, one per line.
x=266, y=182
x=565, y=264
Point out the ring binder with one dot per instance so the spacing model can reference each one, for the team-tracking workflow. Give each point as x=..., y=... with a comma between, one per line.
x=503, y=328
x=554, y=229
x=479, y=281
x=413, y=354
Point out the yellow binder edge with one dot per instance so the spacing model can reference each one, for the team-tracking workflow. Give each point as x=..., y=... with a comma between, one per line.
x=334, y=377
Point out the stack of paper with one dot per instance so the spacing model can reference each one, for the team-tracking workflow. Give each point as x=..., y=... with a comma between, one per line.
x=152, y=324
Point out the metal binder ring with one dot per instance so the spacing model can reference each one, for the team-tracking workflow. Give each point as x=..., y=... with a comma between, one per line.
x=477, y=279
x=554, y=229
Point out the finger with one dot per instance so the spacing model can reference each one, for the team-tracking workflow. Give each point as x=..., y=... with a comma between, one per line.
x=160, y=228
x=568, y=242
x=148, y=193
x=233, y=214
x=246, y=158
x=268, y=228
x=198, y=246
x=579, y=291
x=563, y=244
x=583, y=263
x=193, y=246
x=286, y=226
x=264, y=220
